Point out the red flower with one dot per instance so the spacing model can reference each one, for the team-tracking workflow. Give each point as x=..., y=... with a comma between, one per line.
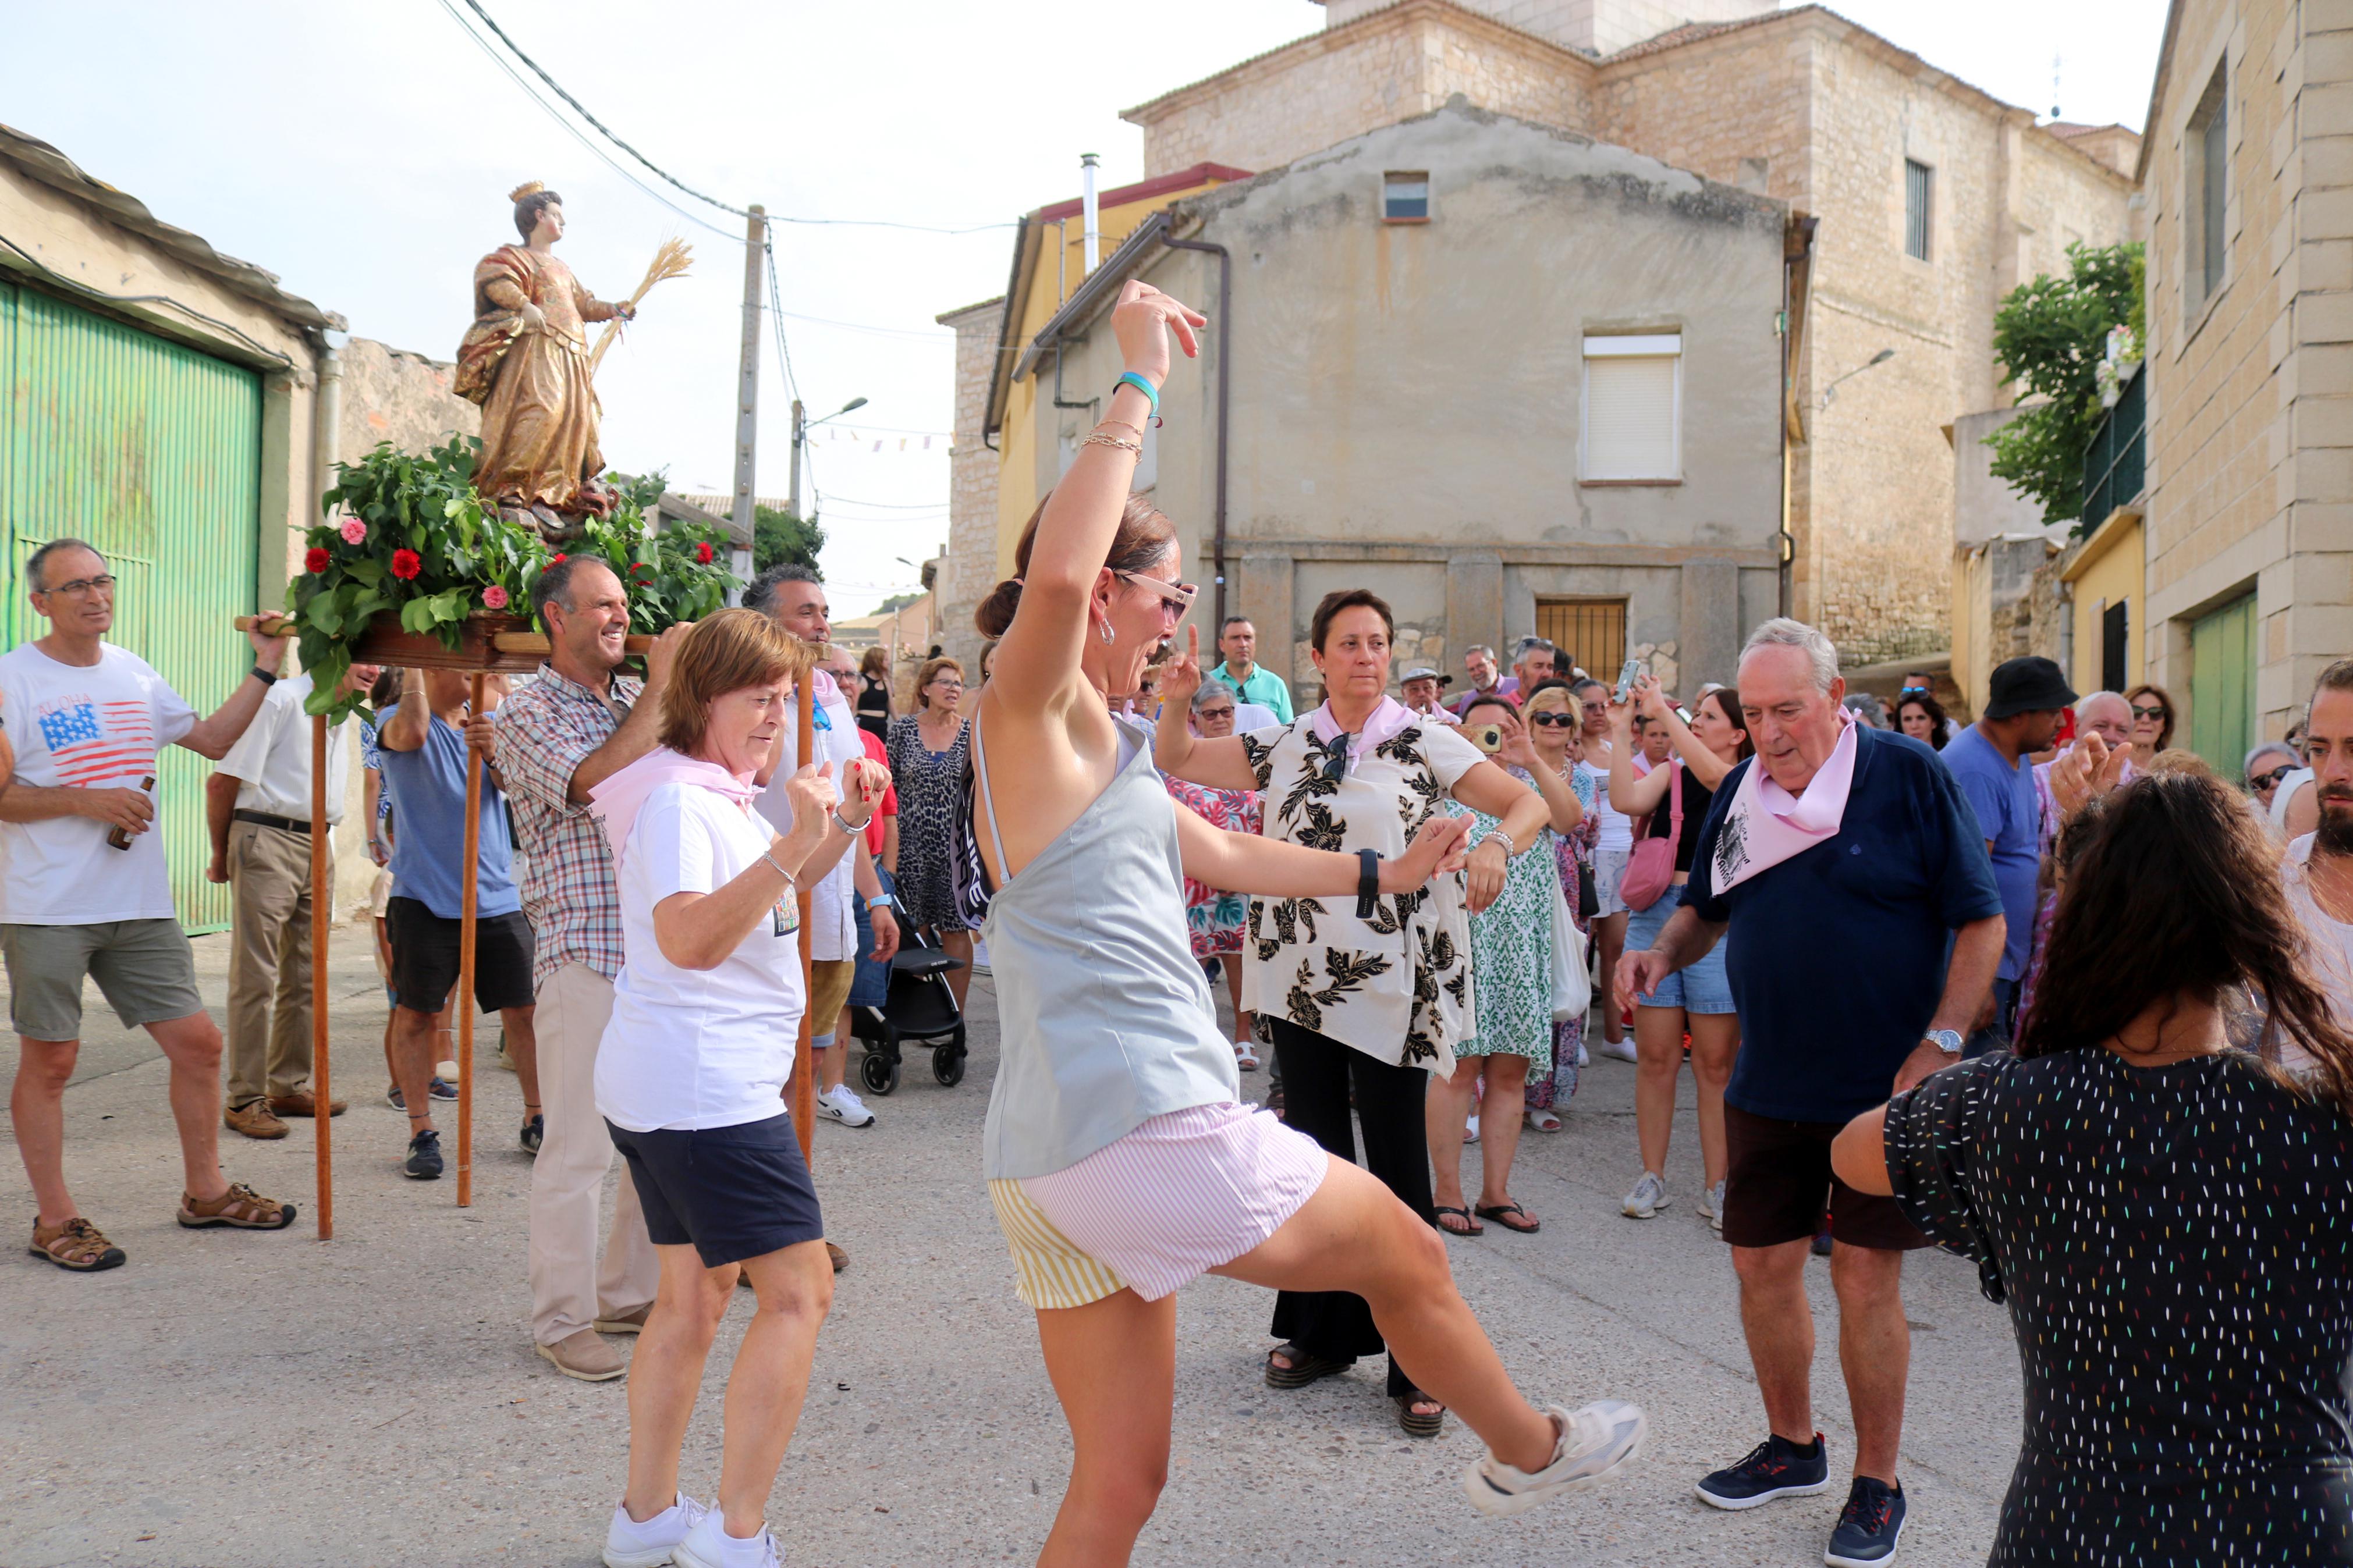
x=556, y=558
x=703, y=552
x=315, y=559
x=406, y=564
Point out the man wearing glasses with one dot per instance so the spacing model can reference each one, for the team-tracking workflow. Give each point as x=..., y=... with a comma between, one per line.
x=84, y=889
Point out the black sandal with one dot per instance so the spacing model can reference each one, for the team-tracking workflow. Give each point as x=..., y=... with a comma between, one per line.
x=1502, y=1214
x=1469, y=1226
x=1304, y=1368
x=1419, y=1426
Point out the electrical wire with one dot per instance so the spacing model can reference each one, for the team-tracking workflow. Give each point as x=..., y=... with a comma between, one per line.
x=929, y=337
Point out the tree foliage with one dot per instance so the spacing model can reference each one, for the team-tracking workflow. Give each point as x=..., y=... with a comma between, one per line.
x=777, y=535
x=2049, y=336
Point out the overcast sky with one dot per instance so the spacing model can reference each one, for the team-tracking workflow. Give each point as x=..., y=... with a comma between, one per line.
x=364, y=153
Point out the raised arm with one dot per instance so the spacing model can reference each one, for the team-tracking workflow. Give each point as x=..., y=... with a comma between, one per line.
x=1704, y=764
x=698, y=931
x=1221, y=763
x=1517, y=750
x=1246, y=863
x=1036, y=662
x=1635, y=794
x=212, y=735
x=410, y=721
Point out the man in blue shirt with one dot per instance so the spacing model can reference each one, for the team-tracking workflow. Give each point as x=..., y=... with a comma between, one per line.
x=423, y=745
x=2025, y=700
x=1252, y=681
x=1842, y=862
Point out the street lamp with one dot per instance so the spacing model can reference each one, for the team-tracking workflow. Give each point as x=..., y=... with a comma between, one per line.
x=1881, y=357
x=800, y=431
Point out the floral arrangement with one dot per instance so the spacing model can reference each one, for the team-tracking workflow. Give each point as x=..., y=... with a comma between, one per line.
x=414, y=539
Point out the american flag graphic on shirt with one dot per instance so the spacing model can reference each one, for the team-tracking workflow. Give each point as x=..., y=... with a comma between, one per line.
x=91, y=742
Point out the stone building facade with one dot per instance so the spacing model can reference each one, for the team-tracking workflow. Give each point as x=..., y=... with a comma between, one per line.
x=968, y=571
x=2247, y=176
x=1415, y=404
x=1797, y=105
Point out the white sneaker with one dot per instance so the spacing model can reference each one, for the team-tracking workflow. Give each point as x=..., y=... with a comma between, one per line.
x=1583, y=1058
x=708, y=1545
x=1711, y=1206
x=1623, y=1050
x=842, y=1104
x=1649, y=1196
x=1594, y=1444
x=1246, y=1055
x=628, y=1545
x=1470, y=1129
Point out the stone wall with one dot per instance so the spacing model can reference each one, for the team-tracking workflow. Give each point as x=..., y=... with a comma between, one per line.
x=967, y=572
x=1595, y=26
x=391, y=395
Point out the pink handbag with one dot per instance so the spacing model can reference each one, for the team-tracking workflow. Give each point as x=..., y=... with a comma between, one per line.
x=1651, y=871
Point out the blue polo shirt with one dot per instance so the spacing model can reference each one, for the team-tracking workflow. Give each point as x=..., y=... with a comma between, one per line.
x=2009, y=814
x=428, y=787
x=1837, y=956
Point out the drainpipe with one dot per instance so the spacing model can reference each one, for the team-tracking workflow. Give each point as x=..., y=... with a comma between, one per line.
x=1784, y=541
x=1087, y=163
x=1224, y=324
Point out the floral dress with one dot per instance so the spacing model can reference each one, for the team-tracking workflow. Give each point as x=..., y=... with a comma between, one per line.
x=934, y=826
x=1510, y=952
x=1213, y=916
x=1571, y=850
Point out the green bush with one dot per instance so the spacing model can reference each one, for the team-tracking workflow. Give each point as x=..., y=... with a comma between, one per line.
x=2049, y=336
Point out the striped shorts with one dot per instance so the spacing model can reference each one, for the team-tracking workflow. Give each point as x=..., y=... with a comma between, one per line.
x=1180, y=1195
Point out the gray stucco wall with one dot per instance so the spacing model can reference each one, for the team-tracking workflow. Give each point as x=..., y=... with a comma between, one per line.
x=1406, y=398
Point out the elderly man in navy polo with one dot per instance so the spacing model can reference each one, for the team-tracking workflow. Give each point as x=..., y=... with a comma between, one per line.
x=1843, y=863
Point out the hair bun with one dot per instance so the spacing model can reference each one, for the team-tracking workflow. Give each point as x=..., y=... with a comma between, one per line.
x=995, y=612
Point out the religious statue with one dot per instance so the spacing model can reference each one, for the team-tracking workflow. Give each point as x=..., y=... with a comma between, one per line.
x=526, y=360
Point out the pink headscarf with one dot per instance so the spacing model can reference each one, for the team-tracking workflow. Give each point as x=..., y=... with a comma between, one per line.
x=617, y=800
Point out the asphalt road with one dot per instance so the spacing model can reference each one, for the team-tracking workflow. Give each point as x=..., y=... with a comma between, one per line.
x=237, y=1398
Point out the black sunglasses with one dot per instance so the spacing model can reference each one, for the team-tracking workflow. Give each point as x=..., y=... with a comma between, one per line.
x=1554, y=720
x=2271, y=779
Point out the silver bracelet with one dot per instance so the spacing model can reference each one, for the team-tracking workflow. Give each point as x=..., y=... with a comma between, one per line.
x=780, y=871
x=1510, y=848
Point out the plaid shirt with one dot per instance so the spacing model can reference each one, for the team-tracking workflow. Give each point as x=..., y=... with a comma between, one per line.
x=544, y=730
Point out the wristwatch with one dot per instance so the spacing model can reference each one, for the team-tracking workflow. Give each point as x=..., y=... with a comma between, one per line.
x=851, y=829
x=1945, y=1040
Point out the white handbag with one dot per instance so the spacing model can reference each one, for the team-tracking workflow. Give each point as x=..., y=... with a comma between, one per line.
x=1572, y=986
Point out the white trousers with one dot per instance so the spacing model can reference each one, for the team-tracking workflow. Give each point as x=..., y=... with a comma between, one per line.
x=569, y=1289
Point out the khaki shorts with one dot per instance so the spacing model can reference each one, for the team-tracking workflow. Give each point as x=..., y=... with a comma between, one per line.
x=829, y=991
x=145, y=970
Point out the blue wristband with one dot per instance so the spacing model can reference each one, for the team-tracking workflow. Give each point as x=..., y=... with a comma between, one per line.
x=1129, y=378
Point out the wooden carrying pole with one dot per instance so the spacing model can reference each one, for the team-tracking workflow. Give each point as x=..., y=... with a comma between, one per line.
x=464, y=1000
x=322, y=899
x=804, y=1056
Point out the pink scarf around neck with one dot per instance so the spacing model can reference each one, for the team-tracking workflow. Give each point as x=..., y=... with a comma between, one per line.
x=1765, y=825
x=617, y=801
x=1384, y=720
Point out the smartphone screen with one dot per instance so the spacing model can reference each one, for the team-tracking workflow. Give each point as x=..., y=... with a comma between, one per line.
x=1626, y=675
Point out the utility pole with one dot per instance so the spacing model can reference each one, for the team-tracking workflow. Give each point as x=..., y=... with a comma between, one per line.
x=796, y=491
x=747, y=393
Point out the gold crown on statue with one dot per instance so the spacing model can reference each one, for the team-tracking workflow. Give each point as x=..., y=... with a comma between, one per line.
x=528, y=188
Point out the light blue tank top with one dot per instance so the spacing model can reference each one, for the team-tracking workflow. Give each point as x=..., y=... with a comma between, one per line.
x=1104, y=1014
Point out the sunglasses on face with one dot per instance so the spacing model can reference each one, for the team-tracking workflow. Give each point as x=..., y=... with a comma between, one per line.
x=2269, y=780
x=1214, y=714
x=1180, y=595
x=2157, y=713
x=1554, y=720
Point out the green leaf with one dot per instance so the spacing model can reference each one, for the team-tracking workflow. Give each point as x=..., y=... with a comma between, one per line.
x=322, y=615
x=417, y=615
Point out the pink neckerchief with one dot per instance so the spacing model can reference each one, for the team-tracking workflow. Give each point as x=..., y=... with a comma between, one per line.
x=1765, y=825
x=1385, y=721
x=617, y=801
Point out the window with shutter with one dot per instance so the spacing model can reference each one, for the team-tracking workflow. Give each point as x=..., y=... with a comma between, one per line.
x=1632, y=421
x=1917, y=187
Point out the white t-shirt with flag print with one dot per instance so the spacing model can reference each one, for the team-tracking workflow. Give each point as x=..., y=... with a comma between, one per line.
x=85, y=727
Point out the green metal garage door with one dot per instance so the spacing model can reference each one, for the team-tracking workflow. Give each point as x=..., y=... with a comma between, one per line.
x=152, y=453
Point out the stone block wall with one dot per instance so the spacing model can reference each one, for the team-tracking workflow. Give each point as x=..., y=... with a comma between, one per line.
x=969, y=573
x=1596, y=27
x=391, y=395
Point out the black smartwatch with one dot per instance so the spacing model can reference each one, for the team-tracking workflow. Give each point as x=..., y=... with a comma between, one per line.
x=1368, y=882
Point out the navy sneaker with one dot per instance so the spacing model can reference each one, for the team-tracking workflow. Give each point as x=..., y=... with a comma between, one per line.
x=442, y=1089
x=1775, y=1467
x=535, y=1133
x=424, y=1164
x=1868, y=1527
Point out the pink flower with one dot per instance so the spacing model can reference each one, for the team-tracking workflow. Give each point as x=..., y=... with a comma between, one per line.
x=354, y=532
x=494, y=598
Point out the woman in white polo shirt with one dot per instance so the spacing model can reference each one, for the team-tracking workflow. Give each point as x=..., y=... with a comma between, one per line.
x=690, y=1075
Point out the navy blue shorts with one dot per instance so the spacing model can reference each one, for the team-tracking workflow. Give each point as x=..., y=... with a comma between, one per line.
x=732, y=1193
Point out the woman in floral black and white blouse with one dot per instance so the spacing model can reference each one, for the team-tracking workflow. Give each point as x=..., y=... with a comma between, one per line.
x=1374, y=992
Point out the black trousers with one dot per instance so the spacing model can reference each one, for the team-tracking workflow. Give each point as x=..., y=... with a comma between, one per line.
x=1317, y=1071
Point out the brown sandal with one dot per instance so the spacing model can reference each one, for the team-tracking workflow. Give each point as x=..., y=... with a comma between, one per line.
x=240, y=1206
x=77, y=1244
x=1419, y=1423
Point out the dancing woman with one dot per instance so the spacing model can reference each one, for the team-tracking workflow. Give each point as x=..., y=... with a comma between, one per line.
x=1120, y=1161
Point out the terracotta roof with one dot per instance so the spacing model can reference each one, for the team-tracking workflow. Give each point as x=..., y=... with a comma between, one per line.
x=45, y=164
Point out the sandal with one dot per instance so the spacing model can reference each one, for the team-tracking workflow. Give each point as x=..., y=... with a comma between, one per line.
x=240, y=1206
x=1468, y=1227
x=1419, y=1423
x=1303, y=1369
x=77, y=1244
x=1512, y=1216
x=1543, y=1118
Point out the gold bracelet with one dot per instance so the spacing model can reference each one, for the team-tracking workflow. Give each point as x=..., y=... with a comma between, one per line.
x=1134, y=449
x=1123, y=425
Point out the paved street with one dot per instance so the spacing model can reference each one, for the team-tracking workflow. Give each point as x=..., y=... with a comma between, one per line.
x=266, y=1399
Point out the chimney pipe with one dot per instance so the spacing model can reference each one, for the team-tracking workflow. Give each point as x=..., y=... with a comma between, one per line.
x=1087, y=165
